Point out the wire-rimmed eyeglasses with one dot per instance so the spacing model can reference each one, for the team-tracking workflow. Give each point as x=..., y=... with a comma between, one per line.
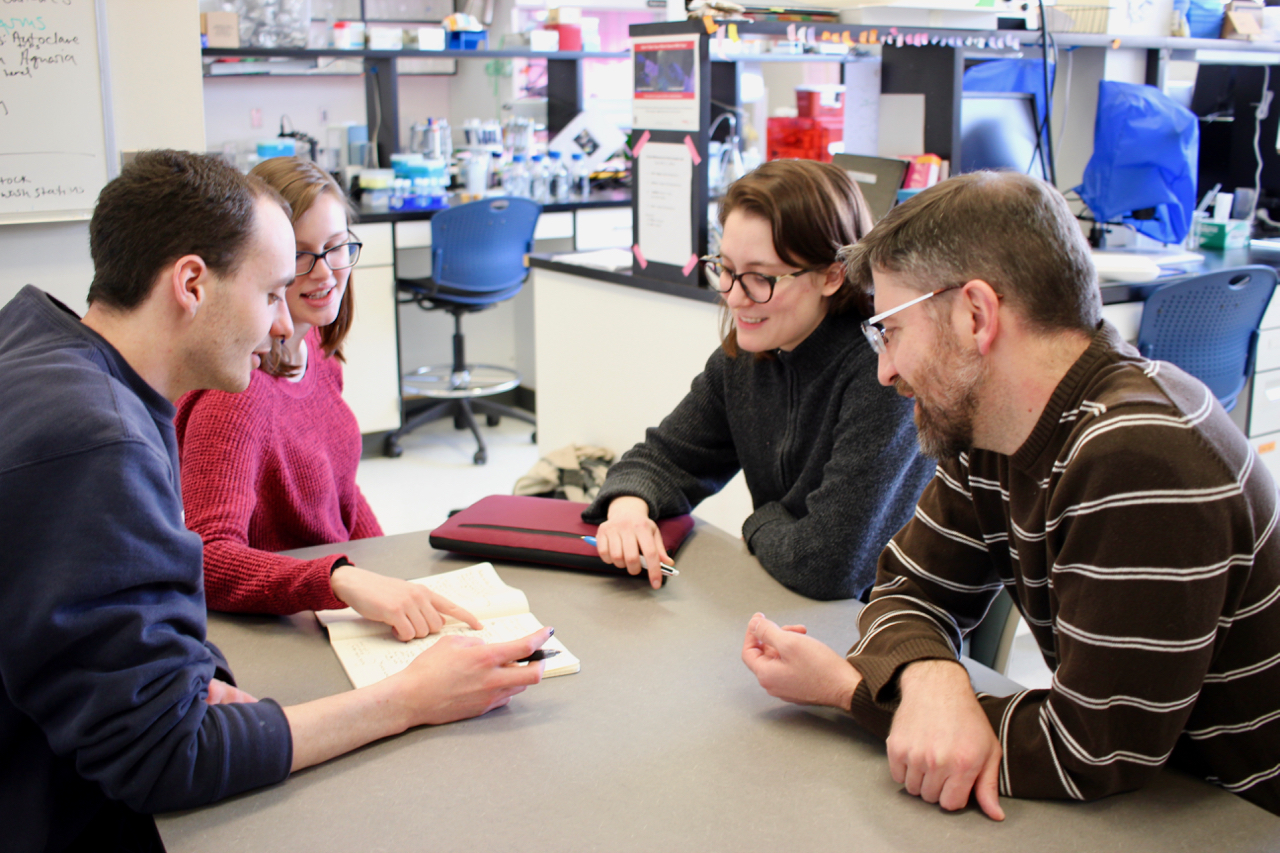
x=340, y=257
x=757, y=286
x=873, y=329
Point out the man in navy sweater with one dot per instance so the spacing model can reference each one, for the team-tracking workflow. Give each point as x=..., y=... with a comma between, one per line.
x=112, y=703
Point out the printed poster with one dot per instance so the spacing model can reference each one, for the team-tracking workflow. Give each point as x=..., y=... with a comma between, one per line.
x=666, y=83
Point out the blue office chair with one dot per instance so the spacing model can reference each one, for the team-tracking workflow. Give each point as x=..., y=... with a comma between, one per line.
x=1208, y=325
x=477, y=260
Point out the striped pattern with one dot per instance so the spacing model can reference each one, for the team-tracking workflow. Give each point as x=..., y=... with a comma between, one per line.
x=1137, y=534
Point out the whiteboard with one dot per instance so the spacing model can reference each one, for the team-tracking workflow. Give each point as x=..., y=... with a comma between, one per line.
x=56, y=148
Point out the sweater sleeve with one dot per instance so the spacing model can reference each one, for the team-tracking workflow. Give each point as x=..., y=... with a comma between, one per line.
x=869, y=486
x=366, y=525
x=1138, y=614
x=917, y=612
x=223, y=438
x=104, y=645
x=687, y=458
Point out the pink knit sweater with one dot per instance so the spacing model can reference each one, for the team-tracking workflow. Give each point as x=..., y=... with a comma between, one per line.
x=267, y=470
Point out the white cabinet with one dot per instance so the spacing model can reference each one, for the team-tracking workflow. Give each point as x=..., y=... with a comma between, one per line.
x=1264, y=399
x=371, y=385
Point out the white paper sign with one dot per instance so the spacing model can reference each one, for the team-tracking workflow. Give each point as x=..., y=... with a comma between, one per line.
x=664, y=202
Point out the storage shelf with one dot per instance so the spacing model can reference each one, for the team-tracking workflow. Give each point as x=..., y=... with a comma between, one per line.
x=324, y=53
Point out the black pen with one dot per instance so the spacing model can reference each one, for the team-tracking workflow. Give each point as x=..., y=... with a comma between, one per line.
x=540, y=654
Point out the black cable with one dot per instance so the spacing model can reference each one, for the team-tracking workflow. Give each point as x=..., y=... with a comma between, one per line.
x=1045, y=43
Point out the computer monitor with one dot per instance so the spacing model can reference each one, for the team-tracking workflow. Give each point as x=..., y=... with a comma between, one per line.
x=879, y=178
x=998, y=131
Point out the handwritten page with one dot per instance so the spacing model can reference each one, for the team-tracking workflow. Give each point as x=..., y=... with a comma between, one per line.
x=477, y=588
x=368, y=660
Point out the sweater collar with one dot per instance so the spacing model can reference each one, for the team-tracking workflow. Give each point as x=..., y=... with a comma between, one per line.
x=1070, y=389
x=833, y=335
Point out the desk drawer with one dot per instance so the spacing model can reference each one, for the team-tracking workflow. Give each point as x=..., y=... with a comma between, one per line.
x=376, y=237
x=1264, y=413
x=1271, y=319
x=1268, y=447
x=1268, y=351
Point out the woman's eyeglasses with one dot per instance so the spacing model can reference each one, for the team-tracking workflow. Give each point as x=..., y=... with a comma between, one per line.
x=757, y=286
x=339, y=257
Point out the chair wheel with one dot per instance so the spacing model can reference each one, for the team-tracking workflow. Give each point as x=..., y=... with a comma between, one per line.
x=481, y=457
x=533, y=437
x=391, y=448
x=458, y=422
x=492, y=420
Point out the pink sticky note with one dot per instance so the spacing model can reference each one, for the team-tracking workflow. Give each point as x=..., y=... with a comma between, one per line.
x=640, y=143
x=693, y=152
x=692, y=262
x=791, y=32
x=635, y=250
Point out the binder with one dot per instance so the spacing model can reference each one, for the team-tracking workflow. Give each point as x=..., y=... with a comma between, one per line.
x=537, y=530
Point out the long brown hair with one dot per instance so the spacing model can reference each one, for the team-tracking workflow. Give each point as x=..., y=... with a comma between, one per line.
x=300, y=183
x=815, y=210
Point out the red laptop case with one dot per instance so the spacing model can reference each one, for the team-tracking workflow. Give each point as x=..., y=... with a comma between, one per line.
x=536, y=530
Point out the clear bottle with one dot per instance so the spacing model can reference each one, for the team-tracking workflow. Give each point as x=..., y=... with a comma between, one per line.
x=537, y=179
x=581, y=176
x=515, y=178
x=557, y=179
x=495, y=171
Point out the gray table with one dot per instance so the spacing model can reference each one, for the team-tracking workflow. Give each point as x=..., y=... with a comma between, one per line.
x=662, y=743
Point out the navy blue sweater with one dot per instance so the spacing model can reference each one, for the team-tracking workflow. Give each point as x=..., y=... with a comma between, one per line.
x=104, y=668
x=829, y=456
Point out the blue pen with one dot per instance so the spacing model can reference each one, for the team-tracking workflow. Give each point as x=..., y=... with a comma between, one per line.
x=666, y=569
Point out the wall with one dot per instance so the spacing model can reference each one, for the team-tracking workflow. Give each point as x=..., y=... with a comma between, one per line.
x=154, y=55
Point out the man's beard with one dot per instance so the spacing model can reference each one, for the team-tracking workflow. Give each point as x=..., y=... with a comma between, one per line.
x=944, y=415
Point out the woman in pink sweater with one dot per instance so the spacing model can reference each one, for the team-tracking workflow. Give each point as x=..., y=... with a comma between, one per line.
x=274, y=467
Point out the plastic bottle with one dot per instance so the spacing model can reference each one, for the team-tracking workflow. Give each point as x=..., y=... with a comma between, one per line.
x=581, y=176
x=515, y=179
x=557, y=179
x=537, y=179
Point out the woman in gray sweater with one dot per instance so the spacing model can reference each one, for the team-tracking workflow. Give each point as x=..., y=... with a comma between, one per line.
x=790, y=398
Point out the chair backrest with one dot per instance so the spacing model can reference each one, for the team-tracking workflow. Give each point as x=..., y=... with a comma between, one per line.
x=1208, y=325
x=478, y=249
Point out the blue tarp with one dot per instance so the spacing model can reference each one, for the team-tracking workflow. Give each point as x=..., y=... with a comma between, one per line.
x=1145, y=154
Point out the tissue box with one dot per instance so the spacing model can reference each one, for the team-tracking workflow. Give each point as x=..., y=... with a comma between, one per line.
x=1232, y=234
x=430, y=38
x=385, y=38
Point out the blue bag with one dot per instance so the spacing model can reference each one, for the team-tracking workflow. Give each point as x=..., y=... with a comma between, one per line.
x=1146, y=149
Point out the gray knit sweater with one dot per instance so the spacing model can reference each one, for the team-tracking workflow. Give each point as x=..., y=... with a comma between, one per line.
x=829, y=456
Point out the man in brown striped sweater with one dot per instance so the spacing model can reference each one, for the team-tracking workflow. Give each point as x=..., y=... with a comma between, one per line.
x=1110, y=495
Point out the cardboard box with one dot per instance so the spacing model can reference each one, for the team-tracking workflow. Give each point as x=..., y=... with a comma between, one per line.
x=1240, y=25
x=221, y=29
x=385, y=38
x=564, y=15
x=430, y=38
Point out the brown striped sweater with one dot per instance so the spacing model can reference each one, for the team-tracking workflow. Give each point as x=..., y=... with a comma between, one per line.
x=1136, y=530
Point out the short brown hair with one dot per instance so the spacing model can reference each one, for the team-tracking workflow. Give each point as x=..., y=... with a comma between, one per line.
x=814, y=209
x=164, y=205
x=1010, y=230
x=301, y=182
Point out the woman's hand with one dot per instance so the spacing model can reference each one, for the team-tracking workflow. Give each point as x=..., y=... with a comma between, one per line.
x=630, y=534
x=410, y=609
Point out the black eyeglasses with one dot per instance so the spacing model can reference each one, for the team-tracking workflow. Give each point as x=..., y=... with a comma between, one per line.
x=757, y=286
x=339, y=257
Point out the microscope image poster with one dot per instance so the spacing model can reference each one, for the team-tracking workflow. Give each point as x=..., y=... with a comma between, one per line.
x=666, y=83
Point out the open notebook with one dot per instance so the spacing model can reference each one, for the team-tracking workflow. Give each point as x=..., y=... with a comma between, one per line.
x=369, y=651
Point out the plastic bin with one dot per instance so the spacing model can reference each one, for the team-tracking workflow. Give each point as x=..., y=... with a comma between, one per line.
x=467, y=40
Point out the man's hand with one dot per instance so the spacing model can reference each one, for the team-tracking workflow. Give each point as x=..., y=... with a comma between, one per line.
x=461, y=677
x=941, y=745
x=795, y=667
x=410, y=609
x=630, y=534
x=221, y=693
